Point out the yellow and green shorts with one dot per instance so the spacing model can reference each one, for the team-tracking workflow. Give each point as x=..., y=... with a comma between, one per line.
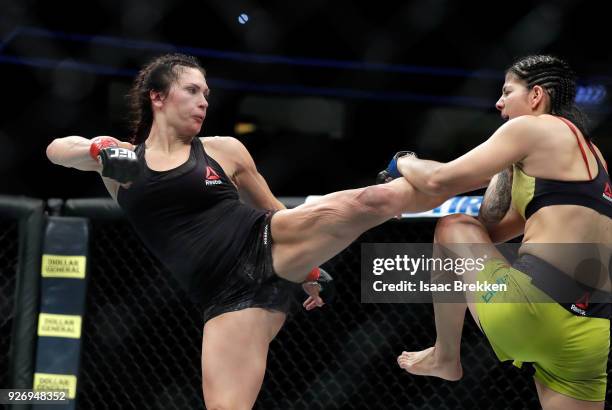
x=569, y=352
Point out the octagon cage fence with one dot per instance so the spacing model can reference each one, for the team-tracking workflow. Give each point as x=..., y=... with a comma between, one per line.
x=141, y=338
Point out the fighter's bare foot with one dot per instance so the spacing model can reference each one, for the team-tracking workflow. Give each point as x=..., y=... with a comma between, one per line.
x=428, y=363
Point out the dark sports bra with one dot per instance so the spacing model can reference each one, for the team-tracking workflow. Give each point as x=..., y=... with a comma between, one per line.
x=529, y=194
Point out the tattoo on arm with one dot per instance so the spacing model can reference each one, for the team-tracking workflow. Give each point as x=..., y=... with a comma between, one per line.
x=496, y=201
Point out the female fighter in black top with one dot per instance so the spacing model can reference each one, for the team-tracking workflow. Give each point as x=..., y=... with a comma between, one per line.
x=183, y=195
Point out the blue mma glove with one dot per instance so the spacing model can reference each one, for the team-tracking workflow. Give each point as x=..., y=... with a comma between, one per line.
x=392, y=172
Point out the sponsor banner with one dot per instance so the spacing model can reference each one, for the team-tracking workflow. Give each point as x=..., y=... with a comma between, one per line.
x=468, y=205
x=62, y=266
x=49, y=382
x=62, y=306
x=52, y=325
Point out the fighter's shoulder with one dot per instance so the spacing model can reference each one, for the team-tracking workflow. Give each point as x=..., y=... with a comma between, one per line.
x=222, y=143
x=527, y=122
x=230, y=148
x=528, y=128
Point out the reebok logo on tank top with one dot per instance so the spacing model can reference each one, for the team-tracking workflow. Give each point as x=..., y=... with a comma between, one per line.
x=607, y=194
x=212, y=178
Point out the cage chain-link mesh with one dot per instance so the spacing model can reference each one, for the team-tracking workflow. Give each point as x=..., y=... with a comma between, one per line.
x=142, y=337
x=142, y=342
x=9, y=243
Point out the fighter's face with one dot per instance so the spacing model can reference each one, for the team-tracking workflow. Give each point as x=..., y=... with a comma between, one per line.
x=186, y=103
x=514, y=100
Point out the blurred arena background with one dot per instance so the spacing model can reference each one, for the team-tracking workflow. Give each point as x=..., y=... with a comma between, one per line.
x=338, y=85
x=322, y=93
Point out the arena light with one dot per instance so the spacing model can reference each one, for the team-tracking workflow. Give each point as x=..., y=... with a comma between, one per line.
x=591, y=94
x=243, y=128
x=243, y=18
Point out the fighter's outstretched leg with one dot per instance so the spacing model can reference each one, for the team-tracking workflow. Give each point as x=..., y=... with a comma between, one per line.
x=311, y=234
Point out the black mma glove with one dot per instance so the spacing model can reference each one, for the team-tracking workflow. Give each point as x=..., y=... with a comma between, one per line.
x=120, y=164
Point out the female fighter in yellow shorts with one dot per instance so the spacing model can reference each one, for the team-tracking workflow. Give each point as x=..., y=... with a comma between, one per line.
x=551, y=183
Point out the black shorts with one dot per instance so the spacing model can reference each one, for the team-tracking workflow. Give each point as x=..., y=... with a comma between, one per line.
x=252, y=282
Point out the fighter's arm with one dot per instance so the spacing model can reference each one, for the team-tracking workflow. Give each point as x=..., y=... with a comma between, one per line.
x=251, y=185
x=496, y=212
x=75, y=152
x=509, y=144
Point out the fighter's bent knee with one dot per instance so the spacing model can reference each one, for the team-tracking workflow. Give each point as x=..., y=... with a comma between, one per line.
x=454, y=219
x=448, y=226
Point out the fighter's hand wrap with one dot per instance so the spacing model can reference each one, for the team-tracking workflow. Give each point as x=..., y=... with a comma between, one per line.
x=99, y=143
x=120, y=164
x=325, y=282
x=392, y=172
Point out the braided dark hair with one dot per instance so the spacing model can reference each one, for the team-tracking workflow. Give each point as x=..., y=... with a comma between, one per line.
x=558, y=79
x=158, y=75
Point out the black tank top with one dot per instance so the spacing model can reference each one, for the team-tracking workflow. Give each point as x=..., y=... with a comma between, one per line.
x=191, y=218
